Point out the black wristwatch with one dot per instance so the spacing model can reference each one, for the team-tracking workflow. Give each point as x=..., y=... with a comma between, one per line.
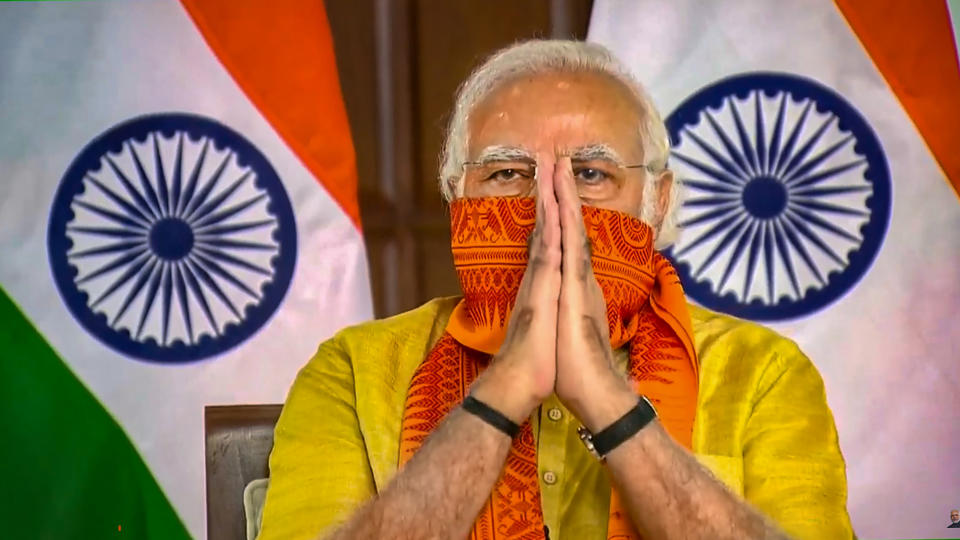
x=616, y=433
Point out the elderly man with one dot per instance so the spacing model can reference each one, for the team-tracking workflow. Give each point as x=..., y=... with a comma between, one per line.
x=571, y=392
x=954, y=519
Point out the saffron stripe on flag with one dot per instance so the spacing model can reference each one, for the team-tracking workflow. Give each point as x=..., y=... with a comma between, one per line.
x=920, y=65
x=282, y=57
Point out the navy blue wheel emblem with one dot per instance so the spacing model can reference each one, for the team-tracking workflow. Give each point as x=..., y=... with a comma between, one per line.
x=788, y=195
x=171, y=238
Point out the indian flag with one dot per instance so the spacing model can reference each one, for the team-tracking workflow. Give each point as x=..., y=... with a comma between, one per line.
x=178, y=228
x=818, y=145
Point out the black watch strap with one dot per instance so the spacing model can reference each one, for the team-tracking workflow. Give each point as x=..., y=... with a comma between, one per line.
x=490, y=415
x=616, y=433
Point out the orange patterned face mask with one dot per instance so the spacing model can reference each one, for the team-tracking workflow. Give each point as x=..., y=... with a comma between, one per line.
x=646, y=311
x=489, y=241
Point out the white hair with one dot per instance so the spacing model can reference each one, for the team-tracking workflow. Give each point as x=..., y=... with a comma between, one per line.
x=545, y=56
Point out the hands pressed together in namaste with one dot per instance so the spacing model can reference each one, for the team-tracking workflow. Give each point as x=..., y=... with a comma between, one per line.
x=557, y=338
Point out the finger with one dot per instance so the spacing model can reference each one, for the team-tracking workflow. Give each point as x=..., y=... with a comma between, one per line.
x=575, y=246
x=540, y=285
x=547, y=200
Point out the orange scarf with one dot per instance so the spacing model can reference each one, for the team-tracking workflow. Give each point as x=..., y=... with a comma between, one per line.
x=645, y=308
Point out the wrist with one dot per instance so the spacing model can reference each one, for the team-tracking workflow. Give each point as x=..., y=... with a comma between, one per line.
x=491, y=416
x=620, y=431
x=506, y=391
x=608, y=400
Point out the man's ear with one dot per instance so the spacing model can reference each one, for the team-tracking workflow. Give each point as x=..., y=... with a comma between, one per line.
x=450, y=184
x=664, y=191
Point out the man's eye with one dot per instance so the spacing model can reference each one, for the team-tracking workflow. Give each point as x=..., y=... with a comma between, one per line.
x=591, y=176
x=507, y=175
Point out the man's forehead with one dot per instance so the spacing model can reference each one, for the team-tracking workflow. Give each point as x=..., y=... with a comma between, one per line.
x=572, y=84
x=569, y=111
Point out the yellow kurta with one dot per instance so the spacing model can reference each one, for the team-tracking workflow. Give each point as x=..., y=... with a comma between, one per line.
x=763, y=427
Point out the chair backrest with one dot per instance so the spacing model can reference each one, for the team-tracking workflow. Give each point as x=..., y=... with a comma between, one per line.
x=238, y=443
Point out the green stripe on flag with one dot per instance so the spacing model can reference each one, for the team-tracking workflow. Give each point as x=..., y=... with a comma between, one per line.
x=68, y=469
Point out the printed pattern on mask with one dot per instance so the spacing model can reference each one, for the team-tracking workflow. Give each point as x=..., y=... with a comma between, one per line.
x=490, y=254
x=489, y=242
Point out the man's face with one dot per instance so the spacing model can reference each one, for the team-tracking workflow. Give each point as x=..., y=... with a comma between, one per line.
x=955, y=516
x=590, y=117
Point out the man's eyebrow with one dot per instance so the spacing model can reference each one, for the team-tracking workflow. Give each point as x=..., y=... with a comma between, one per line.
x=504, y=153
x=592, y=152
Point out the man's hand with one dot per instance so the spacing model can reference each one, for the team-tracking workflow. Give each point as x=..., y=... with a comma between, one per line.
x=523, y=373
x=588, y=382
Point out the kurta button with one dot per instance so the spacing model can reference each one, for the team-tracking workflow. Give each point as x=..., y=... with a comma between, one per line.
x=550, y=478
x=554, y=414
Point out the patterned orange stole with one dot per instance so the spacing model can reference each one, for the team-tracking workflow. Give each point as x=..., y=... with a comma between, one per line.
x=645, y=309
